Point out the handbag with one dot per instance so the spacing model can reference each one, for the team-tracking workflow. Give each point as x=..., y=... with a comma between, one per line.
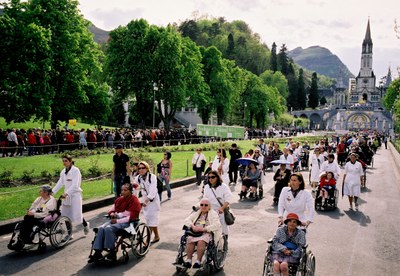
x=229, y=217
x=195, y=164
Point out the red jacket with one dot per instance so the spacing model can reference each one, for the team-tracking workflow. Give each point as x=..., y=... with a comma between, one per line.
x=129, y=206
x=325, y=182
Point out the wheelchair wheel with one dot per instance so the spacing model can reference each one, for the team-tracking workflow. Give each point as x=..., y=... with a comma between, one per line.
x=180, y=258
x=60, y=232
x=268, y=266
x=310, y=265
x=220, y=252
x=141, y=241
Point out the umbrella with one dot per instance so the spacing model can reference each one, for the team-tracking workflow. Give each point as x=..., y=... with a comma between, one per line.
x=246, y=161
x=278, y=162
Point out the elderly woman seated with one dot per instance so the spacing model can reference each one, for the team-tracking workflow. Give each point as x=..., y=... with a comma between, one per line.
x=250, y=178
x=39, y=209
x=202, y=223
x=287, y=245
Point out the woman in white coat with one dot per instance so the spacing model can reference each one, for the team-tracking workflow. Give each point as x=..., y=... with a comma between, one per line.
x=217, y=190
x=295, y=199
x=70, y=179
x=150, y=199
x=352, y=179
x=316, y=164
x=221, y=165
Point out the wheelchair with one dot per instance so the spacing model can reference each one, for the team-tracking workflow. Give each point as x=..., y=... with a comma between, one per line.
x=58, y=231
x=306, y=265
x=135, y=238
x=214, y=256
x=259, y=192
x=329, y=203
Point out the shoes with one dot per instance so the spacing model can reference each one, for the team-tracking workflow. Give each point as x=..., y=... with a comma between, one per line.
x=155, y=241
x=356, y=205
x=197, y=265
x=95, y=257
x=187, y=264
x=112, y=256
x=86, y=229
x=351, y=208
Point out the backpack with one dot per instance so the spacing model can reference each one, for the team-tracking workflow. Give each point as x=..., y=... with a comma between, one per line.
x=160, y=184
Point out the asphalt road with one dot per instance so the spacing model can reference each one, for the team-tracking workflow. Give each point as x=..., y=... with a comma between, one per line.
x=364, y=242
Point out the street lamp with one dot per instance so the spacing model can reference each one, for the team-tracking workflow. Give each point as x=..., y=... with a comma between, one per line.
x=244, y=114
x=155, y=88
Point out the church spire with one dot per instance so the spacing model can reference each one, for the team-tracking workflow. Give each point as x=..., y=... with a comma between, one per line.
x=388, y=78
x=367, y=43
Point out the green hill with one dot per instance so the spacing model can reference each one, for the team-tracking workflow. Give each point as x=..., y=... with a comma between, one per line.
x=99, y=35
x=322, y=61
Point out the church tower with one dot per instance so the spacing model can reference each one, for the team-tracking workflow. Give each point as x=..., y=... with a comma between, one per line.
x=365, y=91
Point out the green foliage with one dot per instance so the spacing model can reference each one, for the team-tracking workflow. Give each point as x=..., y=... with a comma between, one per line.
x=235, y=40
x=6, y=175
x=285, y=120
x=323, y=100
x=392, y=95
x=301, y=94
x=313, y=97
x=45, y=174
x=274, y=58
x=27, y=175
x=52, y=68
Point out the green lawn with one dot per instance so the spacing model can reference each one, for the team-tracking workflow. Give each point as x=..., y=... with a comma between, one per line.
x=15, y=200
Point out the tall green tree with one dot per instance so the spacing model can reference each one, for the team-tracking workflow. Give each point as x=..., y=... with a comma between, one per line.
x=293, y=98
x=283, y=60
x=277, y=80
x=313, y=96
x=274, y=59
x=301, y=94
x=25, y=65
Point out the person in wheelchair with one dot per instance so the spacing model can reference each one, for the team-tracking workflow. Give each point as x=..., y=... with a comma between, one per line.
x=201, y=224
x=250, y=178
x=287, y=245
x=327, y=187
x=39, y=209
x=125, y=209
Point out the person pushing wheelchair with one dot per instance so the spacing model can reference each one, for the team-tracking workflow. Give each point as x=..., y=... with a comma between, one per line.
x=125, y=209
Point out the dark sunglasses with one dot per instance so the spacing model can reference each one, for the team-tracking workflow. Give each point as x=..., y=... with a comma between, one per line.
x=204, y=205
x=142, y=168
x=212, y=177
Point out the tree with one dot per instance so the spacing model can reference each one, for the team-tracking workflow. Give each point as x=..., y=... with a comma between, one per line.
x=301, y=94
x=293, y=98
x=313, y=97
x=25, y=66
x=323, y=101
x=274, y=61
x=189, y=28
x=283, y=60
x=230, y=51
x=277, y=80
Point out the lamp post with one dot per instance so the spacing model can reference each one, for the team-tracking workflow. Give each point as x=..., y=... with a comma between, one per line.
x=244, y=114
x=155, y=88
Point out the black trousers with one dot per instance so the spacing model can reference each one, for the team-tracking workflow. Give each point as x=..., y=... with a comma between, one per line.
x=233, y=172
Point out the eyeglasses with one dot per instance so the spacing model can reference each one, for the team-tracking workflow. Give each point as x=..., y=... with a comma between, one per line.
x=142, y=168
x=212, y=177
x=204, y=205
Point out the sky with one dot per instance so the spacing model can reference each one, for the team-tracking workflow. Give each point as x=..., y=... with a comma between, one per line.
x=338, y=25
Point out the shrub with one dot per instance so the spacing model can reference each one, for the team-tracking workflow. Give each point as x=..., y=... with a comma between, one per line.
x=6, y=175
x=27, y=175
x=94, y=169
x=45, y=174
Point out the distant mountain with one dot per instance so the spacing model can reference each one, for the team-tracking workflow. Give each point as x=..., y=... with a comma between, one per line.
x=322, y=61
x=99, y=35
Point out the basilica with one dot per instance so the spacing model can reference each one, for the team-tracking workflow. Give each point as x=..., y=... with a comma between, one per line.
x=359, y=107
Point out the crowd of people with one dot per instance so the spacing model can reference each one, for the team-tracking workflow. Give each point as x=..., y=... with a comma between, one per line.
x=295, y=204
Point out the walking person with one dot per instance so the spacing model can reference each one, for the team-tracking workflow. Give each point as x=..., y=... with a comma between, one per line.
x=235, y=154
x=70, y=179
x=165, y=173
x=198, y=163
x=385, y=140
x=316, y=162
x=281, y=177
x=150, y=199
x=352, y=179
x=12, y=141
x=121, y=168
x=221, y=165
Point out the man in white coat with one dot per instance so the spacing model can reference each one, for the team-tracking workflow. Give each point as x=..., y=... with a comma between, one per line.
x=330, y=165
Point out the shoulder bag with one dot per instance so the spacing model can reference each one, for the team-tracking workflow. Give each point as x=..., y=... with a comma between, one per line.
x=229, y=217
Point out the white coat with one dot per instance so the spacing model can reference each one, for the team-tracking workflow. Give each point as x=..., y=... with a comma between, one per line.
x=316, y=167
x=148, y=187
x=330, y=167
x=225, y=169
x=302, y=204
x=352, y=182
x=72, y=204
x=224, y=194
